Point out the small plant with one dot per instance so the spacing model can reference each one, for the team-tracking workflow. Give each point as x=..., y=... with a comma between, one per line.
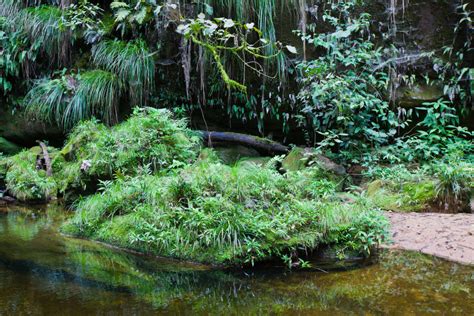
x=455, y=184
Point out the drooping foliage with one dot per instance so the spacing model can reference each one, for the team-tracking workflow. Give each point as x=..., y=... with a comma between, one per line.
x=98, y=94
x=44, y=29
x=131, y=62
x=73, y=98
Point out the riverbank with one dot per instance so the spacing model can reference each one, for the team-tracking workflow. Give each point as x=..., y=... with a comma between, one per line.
x=448, y=236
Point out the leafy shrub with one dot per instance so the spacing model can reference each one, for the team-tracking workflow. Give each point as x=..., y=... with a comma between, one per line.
x=438, y=134
x=455, y=184
x=342, y=91
x=215, y=213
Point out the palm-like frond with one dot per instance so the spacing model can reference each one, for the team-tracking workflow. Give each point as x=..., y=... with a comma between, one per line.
x=47, y=100
x=131, y=62
x=98, y=94
x=43, y=26
x=71, y=99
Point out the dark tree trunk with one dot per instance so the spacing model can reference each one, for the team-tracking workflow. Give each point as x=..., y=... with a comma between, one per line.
x=262, y=145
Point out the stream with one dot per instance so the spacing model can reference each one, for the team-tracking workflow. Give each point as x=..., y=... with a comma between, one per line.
x=45, y=273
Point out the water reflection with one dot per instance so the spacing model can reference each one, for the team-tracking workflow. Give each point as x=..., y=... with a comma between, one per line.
x=42, y=272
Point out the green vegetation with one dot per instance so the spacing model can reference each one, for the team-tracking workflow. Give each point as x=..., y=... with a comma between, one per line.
x=319, y=75
x=24, y=180
x=211, y=212
x=149, y=139
x=132, y=62
x=441, y=185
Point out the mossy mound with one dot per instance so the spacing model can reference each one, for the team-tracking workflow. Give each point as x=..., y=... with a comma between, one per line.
x=445, y=186
x=214, y=213
x=24, y=180
x=150, y=139
x=402, y=197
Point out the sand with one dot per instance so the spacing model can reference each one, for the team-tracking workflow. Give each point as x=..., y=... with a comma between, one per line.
x=449, y=236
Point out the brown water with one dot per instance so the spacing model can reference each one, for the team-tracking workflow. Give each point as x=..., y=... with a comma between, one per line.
x=44, y=273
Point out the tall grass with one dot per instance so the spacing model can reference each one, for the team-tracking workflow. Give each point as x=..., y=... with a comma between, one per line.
x=43, y=26
x=47, y=100
x=74, y=98
x=131, y=62
x=98, y=94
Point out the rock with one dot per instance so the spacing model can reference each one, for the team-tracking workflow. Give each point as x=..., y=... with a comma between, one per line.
x=8, y=148
x=295, y=160
x=8, y=199
x=230, y=155
x=18, y=128
x=409, y=97
x=329, y=165
x=299, y=158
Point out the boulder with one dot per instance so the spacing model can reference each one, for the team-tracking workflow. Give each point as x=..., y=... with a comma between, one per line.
x=231, y=154
x=299, y=158
x=409, y=97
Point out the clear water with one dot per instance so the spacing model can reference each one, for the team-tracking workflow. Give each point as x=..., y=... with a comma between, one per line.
x=44, y=273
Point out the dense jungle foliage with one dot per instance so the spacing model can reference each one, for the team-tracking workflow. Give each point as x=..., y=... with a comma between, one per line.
x=120, y=88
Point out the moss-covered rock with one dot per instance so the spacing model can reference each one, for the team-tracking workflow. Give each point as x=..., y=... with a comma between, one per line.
x=402, y=197
x=409, y=97
x=239, y=214
x=299, y=158
x=8, y=148
x=25, y=181
x=150, y=140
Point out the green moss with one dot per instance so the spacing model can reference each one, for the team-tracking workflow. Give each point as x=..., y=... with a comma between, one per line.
x=149, y=140
x=402, y=197
x=211, y=212
x=294, y=161
x=24, y=181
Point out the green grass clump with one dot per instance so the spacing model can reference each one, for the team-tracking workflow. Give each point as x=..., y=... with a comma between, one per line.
x=24, y=181
x=132, y=62
x=73, y=98
x=444, y=185
x=150, y=138
x=43, y=24
x=211, y=212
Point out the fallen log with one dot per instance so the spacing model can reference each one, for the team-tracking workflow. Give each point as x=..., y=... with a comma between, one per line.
x=46, y=160
x=260, y=144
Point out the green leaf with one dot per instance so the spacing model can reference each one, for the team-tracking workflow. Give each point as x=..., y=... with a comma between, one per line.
x=291, y=49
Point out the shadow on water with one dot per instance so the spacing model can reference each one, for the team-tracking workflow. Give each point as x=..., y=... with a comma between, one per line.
x=42, y=272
